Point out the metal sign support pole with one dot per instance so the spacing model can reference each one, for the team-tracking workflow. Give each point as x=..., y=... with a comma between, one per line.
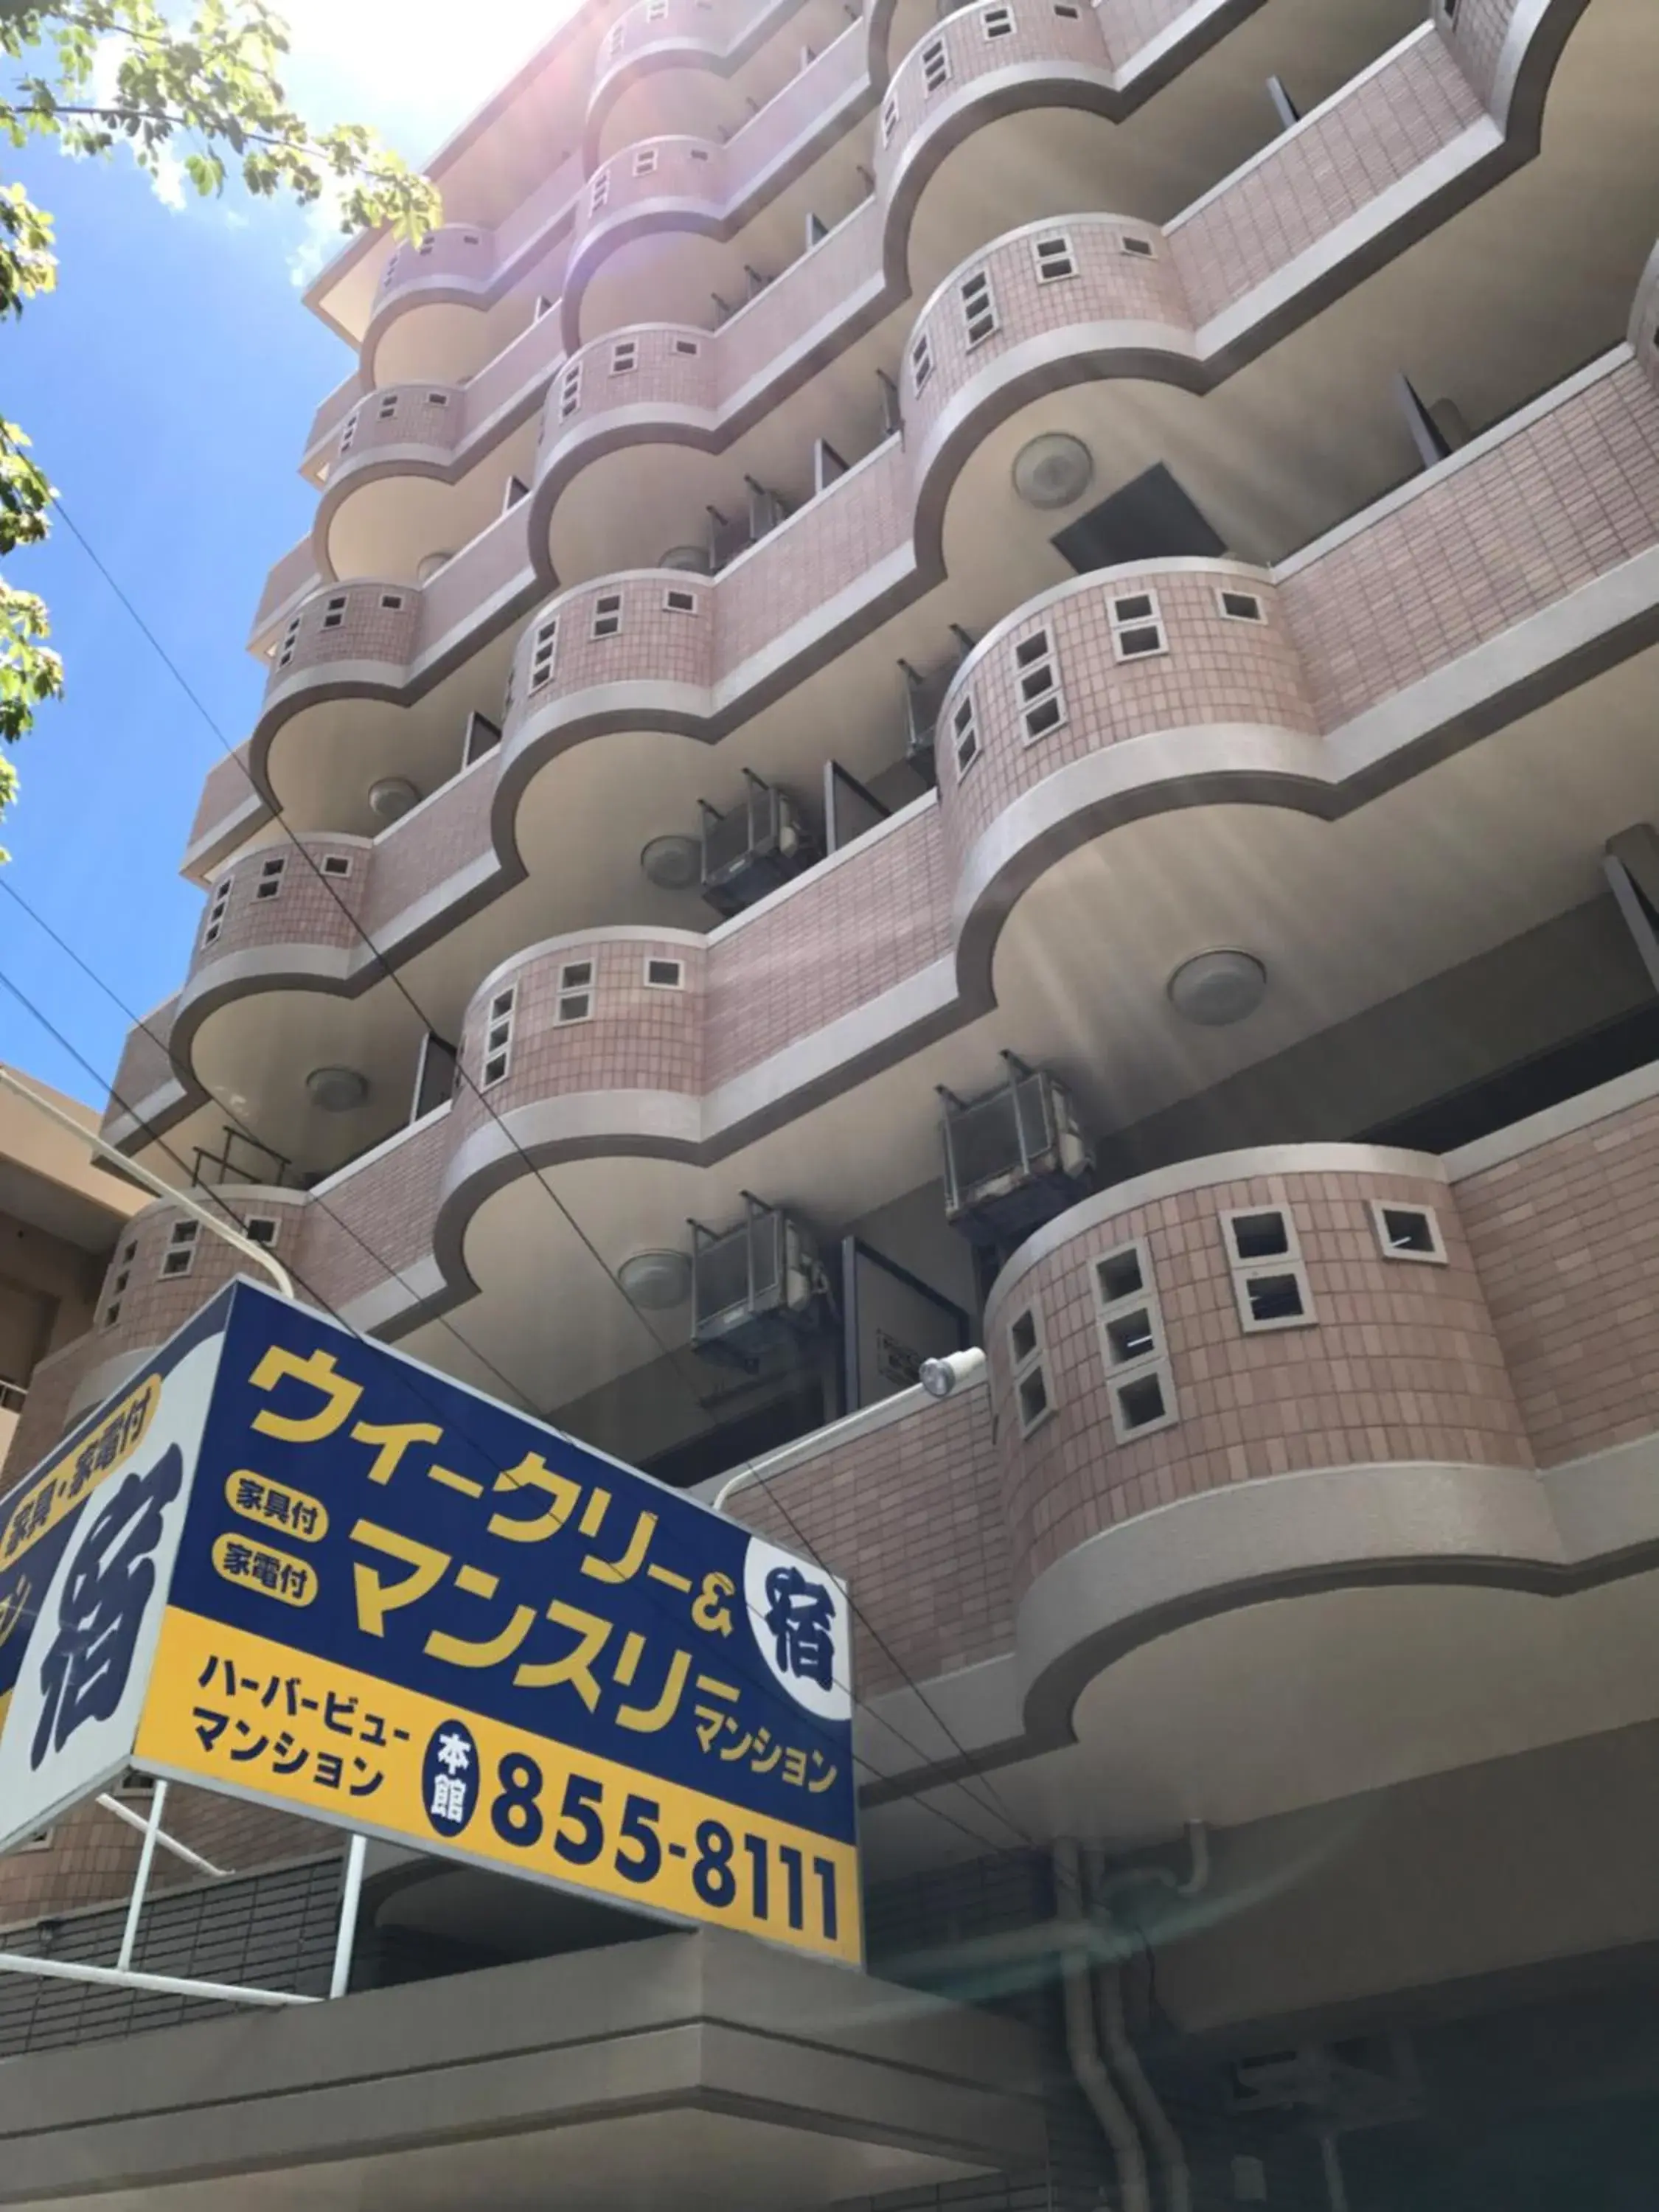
x=351, y=1898
x=141, y=1880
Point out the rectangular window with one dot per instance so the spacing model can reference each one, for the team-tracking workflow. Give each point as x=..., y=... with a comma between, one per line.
x=656, y=11
x=665, y=974
x=1132, y=1348
x=599, y=192
x=392, y=602
x=575, y=999
x=998, y=22
x=1137, y=247
x=964, y=734
x=686, y=345
x=888, y=118
x=260, y=1228
x=613, y=42
x=979, y=308
x=1240, y=606
x=179, y=1256
x=1064, y=8
x=1409, y=1232
x=498, y=1036
x=439, y=398
x=216, y=913
x=388, y=407
x=1270, y=1284
x=570, y=391
x=679, y=603
x=334, y=612
x=1036, y=676
x=921, y=363
x=336, y=864
x=290, y=637
x=1137, y=626
x=935, y=65
x=645, y=162
x=543, y=654
x=1055, y=260
x=271, y=871
x=1033, y=1397
x=700, y=153
x=624, y=356
x=349, y=433
x=607, y=615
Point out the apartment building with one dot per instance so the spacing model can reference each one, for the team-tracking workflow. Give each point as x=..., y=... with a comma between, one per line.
x=978, y=680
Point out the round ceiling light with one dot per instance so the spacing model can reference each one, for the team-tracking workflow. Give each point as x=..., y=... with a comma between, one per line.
x=391, y=797
x=1215, y=990
x=1052, y=469
x=656, y=1281
x=336, y=1089
x=673, y=864
x=430, y=563
x=693, y=559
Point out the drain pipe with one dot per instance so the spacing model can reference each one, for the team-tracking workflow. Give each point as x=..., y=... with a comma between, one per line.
x=1082, y=2039
x=1159, y=2128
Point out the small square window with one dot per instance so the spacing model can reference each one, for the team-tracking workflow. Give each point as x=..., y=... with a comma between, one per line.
x=260, y=1228
x=271, y=873
x=1131, y=1336
x=665, y=974
x=391, y=602
x=679, y=603
x=574, y=974
x=179, y=1256
x=1023, y=1339
x=1137, y=626
x=498, y=1036
x=334, y=612
x=607, y=615
x=1241, y=606
x=441, y=399
x=1137, y=246
x=1031, y=1394
x=1055, y=260
x=1120, y=1274
x=543, y=654
x=1269, y=1234
x=573, y=1006
x=687, y=346
x=1274, y=1298
x=1409, y=1232
x=336, y=864
x=1142, y=1402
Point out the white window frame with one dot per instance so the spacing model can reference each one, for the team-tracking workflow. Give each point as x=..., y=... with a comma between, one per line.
x=978, y=299
x=213, y=925
x=184, y=1240
x=1247, y=1270
x=1137, y=246
x=336, y=865
x=599, y=192
x=1434, y=1257
x=965, y=747
x=544, y=655
x=1225, y=591
x=387, y=409
x=607, y=609
x=935, y=66
x=349, y=432
x=1059, y=242
x=570, y=391
x=1032, y=658
x=1028, y=1366
x=392, y=602
x=660, y=983
x=334, y=612
x=889, y=118
x=1126, y=625
x=676, y=600
x=577, y=996
x=290, y=638
x=118, y=1289
x=262, y=1229
x=691, y=346
x=1125, y=1375
x=999, y=22
x=624, y=356
x=496, y=1062
x=645, y=162
x=921, y=363
x=273, y=873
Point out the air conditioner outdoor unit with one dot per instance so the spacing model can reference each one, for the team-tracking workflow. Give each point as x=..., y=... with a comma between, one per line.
x=1014, y=1156
x=755, y=1285
x=754, y=846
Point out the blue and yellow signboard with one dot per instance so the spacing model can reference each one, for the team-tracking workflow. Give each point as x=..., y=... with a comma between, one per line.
x=330, y=1579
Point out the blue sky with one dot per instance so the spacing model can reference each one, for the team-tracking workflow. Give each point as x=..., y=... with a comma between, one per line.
x=167, y=385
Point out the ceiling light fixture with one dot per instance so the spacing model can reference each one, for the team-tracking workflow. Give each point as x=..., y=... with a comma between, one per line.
x=673, y=864
x=655, y=1282
x=1053, y=470
x=391, y=798
x=336, y=1089
x=1215, y=990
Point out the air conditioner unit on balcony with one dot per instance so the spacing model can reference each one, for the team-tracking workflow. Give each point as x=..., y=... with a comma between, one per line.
x=754, y=846
x=755, y=1285
x=1014, y=1156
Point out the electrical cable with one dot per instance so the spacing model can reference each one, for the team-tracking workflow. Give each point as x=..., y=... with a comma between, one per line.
x=993, y=1802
